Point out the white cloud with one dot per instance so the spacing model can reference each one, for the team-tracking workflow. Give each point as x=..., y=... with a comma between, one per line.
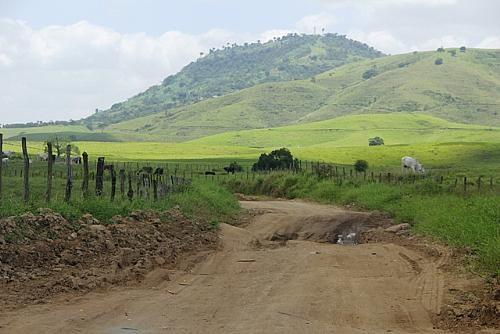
x=490, y=43
x=271, y=34
x=312, y=23
x=62, y=72
x=380, y=40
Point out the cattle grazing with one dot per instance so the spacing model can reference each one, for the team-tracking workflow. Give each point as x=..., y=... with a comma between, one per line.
x=42, y=157
x=76, y=160
x=159, y=171
x=147, y=170
x=7, y=154
x=409, y=163
x=209, y=173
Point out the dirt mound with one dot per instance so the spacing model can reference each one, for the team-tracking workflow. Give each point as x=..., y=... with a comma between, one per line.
x=44, y=255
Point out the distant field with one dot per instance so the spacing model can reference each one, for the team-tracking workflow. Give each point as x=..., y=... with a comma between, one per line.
x=439, y=144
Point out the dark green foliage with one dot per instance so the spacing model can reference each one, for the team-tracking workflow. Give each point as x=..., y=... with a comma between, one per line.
x=376, y=141
x=453, y=53
x=237, y=67
x=370, y=73
x=463, y=49
x=439, y=61
x=277, y=159
x=361, y=166
x=440, y=50
x=234, y=167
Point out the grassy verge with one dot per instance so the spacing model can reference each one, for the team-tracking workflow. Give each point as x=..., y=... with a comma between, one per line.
x=472, y=222
x=205, y=201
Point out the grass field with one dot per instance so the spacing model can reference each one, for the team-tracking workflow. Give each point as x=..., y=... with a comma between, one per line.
x=439, y=144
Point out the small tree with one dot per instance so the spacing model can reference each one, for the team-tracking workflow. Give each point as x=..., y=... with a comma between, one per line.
x=361, y=166
x=377, y=141
x=60, y=143
x=277, y=159
x=441, y=49
x=463, y=49
x=439, y=61
x=370, y=73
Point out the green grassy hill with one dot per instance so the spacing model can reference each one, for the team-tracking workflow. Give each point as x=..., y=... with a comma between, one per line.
x=239, y=66
x=465, y=88
x=355, y=130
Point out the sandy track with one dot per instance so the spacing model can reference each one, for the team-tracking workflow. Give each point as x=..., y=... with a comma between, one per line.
x=252, y=286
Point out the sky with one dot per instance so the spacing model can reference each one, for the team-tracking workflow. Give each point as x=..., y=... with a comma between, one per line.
x=61, y=60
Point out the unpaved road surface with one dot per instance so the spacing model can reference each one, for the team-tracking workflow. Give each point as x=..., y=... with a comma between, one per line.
x=252, y=285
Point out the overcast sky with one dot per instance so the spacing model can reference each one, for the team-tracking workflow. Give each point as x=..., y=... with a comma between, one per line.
x=61, y=59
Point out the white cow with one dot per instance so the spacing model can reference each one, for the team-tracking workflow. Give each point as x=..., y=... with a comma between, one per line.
x=7, y=154
x=413, y=164
x=42, y=157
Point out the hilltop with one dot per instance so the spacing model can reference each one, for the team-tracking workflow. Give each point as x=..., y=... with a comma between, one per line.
x=465, y=89
x=236, y=67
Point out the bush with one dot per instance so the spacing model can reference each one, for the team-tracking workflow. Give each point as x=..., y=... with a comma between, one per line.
x=234, y=167
x=377, y=141
x=361, y=166
x=463, y=49
x=277, y=159
x=439, y=61
x=370, y=73
x=441, y=49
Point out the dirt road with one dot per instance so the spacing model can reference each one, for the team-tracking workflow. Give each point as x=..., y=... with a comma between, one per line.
x=257, y=286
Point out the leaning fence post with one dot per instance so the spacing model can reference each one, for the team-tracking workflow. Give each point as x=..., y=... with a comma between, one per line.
x=85, y=184
x=465, y=183
x=69, y=176
x=26, y=171
x=479, y=183
x=1, y=162
x=99, y=178
x=50, y=166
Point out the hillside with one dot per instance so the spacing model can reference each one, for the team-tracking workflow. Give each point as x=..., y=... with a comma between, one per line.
x=465, y=88
x=236, y=67
x=355, y=130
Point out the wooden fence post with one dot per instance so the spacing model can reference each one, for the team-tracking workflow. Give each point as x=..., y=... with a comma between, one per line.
x=465, y=183
x=130, y=193
x=113, y=182
x=50, y=167
x=122, y=182
x=85, y=183
x=99, y=178
x=479, y=183
x=1, y=157
x=26, y=170
x=69, y=176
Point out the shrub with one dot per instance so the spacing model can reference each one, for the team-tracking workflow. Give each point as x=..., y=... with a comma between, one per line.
x=439, y=61
x=377, y=141
x=361, y=166
x=441, y=49
x=463, y=49
x=370, y=73
x=277, y=159
x=234, y=167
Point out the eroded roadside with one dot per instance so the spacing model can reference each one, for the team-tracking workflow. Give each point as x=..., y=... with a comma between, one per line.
x=279, y=272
